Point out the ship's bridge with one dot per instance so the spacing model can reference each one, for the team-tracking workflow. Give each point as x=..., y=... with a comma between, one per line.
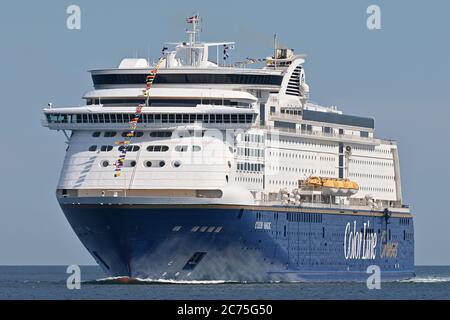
x=195, y=63
x=231, y=78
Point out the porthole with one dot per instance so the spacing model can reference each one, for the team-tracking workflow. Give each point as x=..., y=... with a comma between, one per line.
x=176, y=164
x=105, y=163
x=162, y=163
x=133, y=164
x=148, y=164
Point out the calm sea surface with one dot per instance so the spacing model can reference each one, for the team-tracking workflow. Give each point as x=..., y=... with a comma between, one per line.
x=42, y=282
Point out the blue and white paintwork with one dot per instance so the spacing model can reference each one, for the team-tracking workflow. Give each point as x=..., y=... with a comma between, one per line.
x=214, y=185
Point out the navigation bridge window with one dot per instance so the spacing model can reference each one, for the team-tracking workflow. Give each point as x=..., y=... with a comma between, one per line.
x=179, y=78
x=151, y=118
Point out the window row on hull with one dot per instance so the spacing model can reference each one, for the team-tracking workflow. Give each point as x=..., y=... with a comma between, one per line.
x=151, y=148
x=153, y=134
x=150, y=118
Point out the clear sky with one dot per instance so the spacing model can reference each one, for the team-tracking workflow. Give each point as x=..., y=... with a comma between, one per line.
x=399, y=75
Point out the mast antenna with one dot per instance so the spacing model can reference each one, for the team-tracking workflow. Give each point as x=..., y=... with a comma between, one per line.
x=193, y=33
x=275, y=50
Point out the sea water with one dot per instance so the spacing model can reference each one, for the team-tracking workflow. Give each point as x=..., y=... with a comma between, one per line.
x=50, y=282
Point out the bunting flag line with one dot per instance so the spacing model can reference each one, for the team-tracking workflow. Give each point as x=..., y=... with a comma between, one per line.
x=134, y=119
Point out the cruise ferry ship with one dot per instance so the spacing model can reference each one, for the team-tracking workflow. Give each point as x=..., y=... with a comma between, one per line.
x=197, y=168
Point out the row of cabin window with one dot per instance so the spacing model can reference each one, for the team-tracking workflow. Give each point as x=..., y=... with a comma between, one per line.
x=301, y=142
x=136, y=134
x=373, y=163
x=153, y=148
x=147, y=164
x=248, y=179
x=253, y=138
x=304, y=217
x=153, y=134
x=150, y=118
x=327, y=159
x=329, y=173
x=372, y=149
x=291, y=112
x=110, y=148
x=284, y=182
x=373, y=189
x=249, y=152
x=245, y=166
x=293, y=155
x=371, y=176
x=291, y=169
x=183, y=148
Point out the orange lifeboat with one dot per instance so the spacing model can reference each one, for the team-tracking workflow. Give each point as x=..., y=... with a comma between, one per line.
x=314, y=181
x=334, y=186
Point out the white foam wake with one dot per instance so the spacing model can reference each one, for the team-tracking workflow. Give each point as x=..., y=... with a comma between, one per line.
x=183, y=281
x=427, y=279
x=156, y=281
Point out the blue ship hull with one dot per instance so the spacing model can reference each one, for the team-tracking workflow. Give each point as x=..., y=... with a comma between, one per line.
x=254, y=244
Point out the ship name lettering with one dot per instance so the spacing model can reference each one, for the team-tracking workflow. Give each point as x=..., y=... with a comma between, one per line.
x=359, y=245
